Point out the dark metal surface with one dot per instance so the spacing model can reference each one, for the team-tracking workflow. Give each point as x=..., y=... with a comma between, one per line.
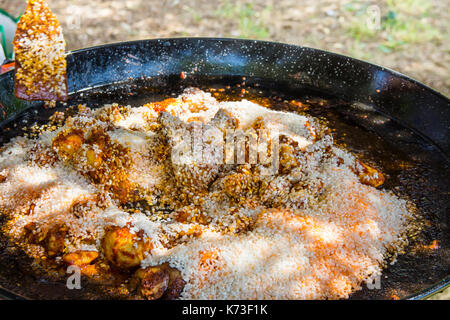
x=283, y=68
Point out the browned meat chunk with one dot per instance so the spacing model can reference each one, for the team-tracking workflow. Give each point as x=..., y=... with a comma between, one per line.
x=123, y=248
x=54, y=242
x=368, y=175
x=80, y=258
x=151, y=283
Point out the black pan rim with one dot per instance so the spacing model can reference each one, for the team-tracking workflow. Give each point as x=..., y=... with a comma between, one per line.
x=225, y=39
x=426, y=293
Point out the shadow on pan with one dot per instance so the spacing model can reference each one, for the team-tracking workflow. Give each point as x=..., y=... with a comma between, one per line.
x=382, y=116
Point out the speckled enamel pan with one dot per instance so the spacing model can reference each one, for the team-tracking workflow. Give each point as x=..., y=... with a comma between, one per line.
x=415, y=120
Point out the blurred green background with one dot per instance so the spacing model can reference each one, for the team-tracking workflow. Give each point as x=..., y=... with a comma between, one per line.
x=409, y=36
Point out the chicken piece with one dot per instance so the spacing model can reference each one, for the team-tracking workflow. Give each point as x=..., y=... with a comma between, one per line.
x=80, y=258
x=176, y=284
x=305, y=193
x=100, y=158
x=151, y=283
x=288, y=160
x=67, y=143
x=93, y=272
x=368, y=175
x=161, y=106
x=239, y=185
x=124, y=249
x=195, y=177
x=94, y=158
x=122, y=189
x=196, y=151
x=87, y=159
x=224, y=121
x=274, y=191
x=54, y=241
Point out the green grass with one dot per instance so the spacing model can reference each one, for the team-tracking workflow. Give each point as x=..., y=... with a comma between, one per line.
x=248, y=19
x=195, y=14
x=359, y=50
x=402, y=22
x=411, y=7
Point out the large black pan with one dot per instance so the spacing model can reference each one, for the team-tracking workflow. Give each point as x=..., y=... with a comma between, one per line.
x=410, y=121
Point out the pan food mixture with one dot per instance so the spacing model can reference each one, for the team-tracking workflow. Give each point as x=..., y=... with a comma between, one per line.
x=196, y=198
